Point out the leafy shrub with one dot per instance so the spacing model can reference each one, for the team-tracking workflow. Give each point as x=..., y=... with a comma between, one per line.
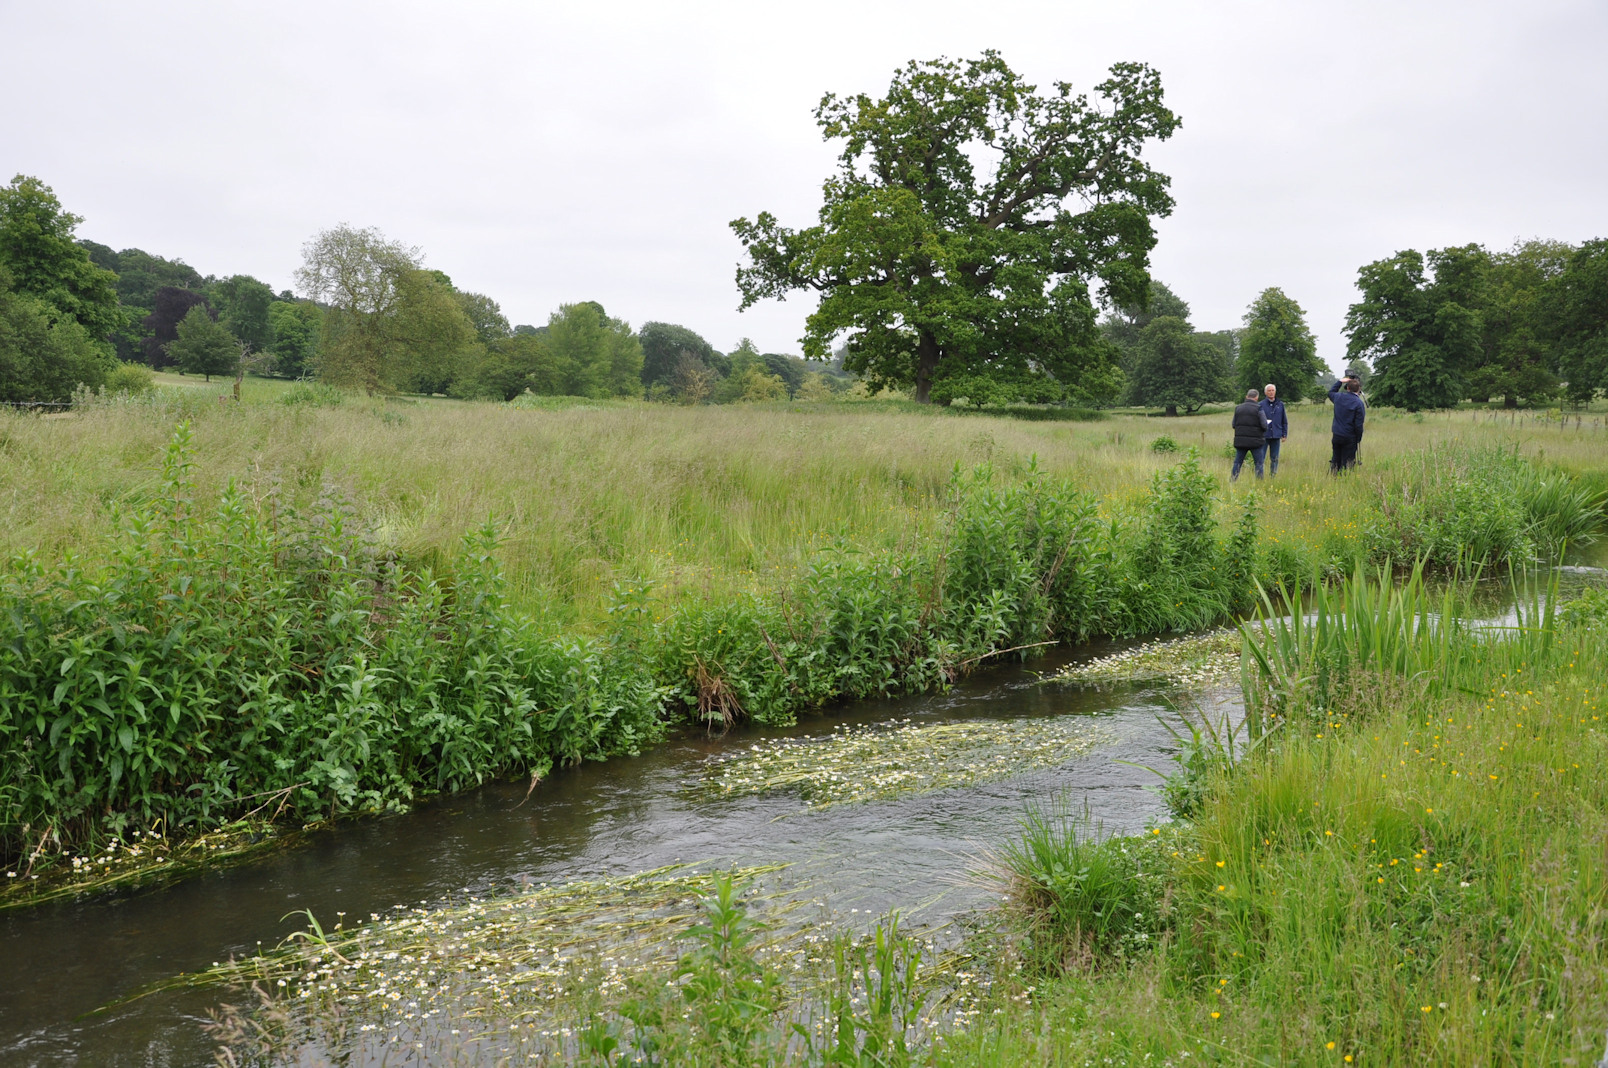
x=312, y=395
x=131, y=378
x=1164, y=444
x=1589, y=610
x=1451, y=507
x=253, y=657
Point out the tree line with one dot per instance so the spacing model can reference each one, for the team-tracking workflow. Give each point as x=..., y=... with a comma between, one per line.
x=368, y=316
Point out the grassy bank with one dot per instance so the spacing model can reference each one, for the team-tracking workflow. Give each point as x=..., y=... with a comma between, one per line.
x=301, y=597
x=1413, y=869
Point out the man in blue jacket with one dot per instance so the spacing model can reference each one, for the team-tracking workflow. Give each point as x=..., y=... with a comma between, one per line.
x=1346, y=431
x=1278, y=426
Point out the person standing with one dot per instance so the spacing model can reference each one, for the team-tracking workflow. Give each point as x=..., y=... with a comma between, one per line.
x=1346, y=431
x=1250, y=434
x=1278, y=425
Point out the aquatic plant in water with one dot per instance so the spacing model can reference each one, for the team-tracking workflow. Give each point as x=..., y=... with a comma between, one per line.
x=880, y=763
x=1198, y=661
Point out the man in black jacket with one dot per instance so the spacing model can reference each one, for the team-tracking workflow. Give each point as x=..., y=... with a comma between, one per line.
x=1250, y=434
x=1346, y=430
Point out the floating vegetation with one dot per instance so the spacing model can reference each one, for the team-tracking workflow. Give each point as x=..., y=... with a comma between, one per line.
x=1199, y=661
x=146, y=857
x=552, y=974
x=876, y=763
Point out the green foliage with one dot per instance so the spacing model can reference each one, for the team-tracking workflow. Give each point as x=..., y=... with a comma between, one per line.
x=242, y=303
x=1573, y=309
x=663, y=347
x=312, y=395
x=1455, y=507
x=1174, y=368
x=204, y=346
x=256, y=651
x=37, y=250
x=133, y=379
x=295, y=327
x=1082, y=900
x=389, y=324
x=1422, y=332
x=1278, y=347
x=44, y=355
x=936, y=269
x=1163, y=444
x=588, y=354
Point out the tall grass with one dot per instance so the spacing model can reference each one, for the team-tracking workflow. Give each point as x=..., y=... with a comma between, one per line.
x=1412, y=870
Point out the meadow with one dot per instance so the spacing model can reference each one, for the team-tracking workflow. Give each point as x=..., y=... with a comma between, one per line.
x=307, y=604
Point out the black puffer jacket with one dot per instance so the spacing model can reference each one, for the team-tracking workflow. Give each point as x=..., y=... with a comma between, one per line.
x=1250, y=429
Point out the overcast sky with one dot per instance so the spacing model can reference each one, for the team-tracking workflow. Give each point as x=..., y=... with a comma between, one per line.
x=544, y=153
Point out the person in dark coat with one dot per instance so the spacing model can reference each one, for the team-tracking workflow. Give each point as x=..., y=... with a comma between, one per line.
x=1278, y=425
x=1346, y=430
x=1250, y=434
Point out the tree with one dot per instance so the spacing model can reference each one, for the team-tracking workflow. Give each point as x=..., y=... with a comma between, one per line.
x=1518, y=357
x=1123, y=323
x=37, y=250
x=1277, y=347
x=692, y=381
x=663, y=345
x=1572, y=315
x=1174, y=368
x=139, y=275
x=242, y=304
x=44, y=355
x=931, y=268
x=594, y=355
x=295, y=326
x=390, y=324
x=169, y=306
x=204, y=346
x=485, y=315
x=1421, y=331
x=358, y=274
x=428, y=338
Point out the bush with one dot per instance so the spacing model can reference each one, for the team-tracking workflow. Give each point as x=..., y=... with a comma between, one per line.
x=133, y=379
x=253, y=657
x=1163, y=444
x=312, y=395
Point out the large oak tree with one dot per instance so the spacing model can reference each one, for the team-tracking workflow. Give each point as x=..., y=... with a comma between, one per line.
x=968, y=219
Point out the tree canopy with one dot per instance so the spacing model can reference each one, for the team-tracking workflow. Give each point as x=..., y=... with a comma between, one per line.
x=1574, y=309
x=44, y=355
x=204, y=346
x=663, y=346
x=1278, y=347
x=968, y=219
x=390, y=324
x=43, y=260
x=1174, y=367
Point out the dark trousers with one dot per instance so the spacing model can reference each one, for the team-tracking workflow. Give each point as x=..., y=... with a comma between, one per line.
x=1239, y=460
x=1273, y=455
x=1345, y=454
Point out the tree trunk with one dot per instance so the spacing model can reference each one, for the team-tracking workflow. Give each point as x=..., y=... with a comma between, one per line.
x=1510, y=401
x=927, y=356
x=1172, y=410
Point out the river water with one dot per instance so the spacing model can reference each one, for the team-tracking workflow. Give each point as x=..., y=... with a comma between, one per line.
x=62, y=961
